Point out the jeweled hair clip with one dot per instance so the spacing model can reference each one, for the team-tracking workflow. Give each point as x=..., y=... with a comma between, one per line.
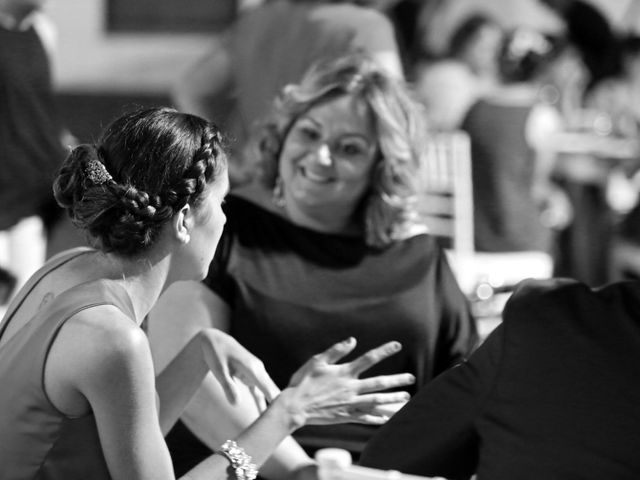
x=97, y=172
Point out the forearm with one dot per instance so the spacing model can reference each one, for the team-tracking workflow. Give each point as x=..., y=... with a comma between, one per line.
x=212, y=419
x=178, y=382
x=259, y=441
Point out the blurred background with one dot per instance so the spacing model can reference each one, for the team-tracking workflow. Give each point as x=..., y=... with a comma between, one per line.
x=109, y=56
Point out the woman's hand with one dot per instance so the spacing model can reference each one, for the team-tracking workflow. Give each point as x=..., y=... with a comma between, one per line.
x=321, y=392
x=227, y=359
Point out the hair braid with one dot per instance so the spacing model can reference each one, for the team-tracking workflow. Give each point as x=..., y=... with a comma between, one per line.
x=154, y=161
x=205, y=166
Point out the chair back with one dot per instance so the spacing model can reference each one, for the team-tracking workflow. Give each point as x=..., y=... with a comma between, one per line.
x=445, y=204
x=446, y=207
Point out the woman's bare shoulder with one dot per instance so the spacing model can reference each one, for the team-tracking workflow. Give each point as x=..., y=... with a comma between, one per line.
x=99, y=352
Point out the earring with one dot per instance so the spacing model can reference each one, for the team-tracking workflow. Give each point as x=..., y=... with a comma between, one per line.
x=187, y=239
x=278, y=193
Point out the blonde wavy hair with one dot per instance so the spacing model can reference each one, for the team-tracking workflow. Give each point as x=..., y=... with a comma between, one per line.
x=388, y=208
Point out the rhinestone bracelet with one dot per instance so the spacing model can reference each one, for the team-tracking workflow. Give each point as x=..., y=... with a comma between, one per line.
x=240, y=461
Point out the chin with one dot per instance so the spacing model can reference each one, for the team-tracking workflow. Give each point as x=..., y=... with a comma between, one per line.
x=203, y=274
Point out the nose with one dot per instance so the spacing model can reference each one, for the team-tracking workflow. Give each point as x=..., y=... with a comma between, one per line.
x=324, y=155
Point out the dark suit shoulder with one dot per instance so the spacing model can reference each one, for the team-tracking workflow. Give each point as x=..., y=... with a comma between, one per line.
x=534, y=295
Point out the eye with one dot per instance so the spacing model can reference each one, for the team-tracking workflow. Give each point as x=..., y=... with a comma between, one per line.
x=308, y=132
x=352, y=148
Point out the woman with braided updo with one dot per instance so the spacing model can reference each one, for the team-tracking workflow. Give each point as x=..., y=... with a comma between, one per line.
x=79, y=397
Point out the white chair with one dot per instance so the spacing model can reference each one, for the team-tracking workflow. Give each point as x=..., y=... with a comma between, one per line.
x=335, y=464
x=446, y=207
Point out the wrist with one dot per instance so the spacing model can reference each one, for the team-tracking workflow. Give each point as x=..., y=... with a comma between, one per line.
x=289, y=410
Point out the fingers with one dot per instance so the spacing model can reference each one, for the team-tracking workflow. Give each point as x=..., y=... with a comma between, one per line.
x=259, y=378
x=371, y=402
x=268, y=387
x=370, y=409
x=388, y=409
x=373, y=356
x=385, y=382
x=228, y=384
x=370, y=419
x=337, y=351
x=258, y=398
x=252, y=372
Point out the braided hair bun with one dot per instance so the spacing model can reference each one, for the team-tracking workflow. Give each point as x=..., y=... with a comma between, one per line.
x=145, y=167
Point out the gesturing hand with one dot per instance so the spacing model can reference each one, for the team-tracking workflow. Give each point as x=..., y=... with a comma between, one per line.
x=226, y=359
x=323, y=392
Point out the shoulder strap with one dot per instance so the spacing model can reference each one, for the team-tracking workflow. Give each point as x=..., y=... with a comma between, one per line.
x=54, y=263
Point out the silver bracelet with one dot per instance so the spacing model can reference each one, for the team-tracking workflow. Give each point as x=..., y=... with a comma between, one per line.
x=240, y=461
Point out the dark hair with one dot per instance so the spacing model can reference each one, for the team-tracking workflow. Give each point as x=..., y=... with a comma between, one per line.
x=467, y=31
x=525, y=53
x=155, y=161
x=388, y=209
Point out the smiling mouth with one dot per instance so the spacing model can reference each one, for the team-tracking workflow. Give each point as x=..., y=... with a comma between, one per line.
x=314, y=177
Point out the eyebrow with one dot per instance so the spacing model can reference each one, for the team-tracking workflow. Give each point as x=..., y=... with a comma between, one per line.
x=362, y=135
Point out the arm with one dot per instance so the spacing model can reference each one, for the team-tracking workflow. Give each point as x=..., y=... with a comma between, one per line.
x=112, y=369
x=321, y=392
x=434, y=434
x=185, y=309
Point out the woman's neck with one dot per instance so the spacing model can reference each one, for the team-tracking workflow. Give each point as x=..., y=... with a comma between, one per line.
x=322, y=219
x=143, y=278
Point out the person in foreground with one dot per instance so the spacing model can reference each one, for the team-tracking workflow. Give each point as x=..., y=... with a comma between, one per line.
x=79, y=396
x=552, y=393
x=327, y=244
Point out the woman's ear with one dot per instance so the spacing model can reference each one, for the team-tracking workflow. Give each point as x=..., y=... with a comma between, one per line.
x=182, y=224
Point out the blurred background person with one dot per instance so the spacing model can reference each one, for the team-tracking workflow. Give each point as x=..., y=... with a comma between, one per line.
x=618, y=95
x=32, y=138
x=617, y=98
x=591, y=32
x=450, y=84
x=326, y=244
x=272, y=45
x=512, y=132
x=594, y=164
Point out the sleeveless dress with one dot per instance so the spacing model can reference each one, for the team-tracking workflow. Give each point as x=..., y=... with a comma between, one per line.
x=36, y=440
